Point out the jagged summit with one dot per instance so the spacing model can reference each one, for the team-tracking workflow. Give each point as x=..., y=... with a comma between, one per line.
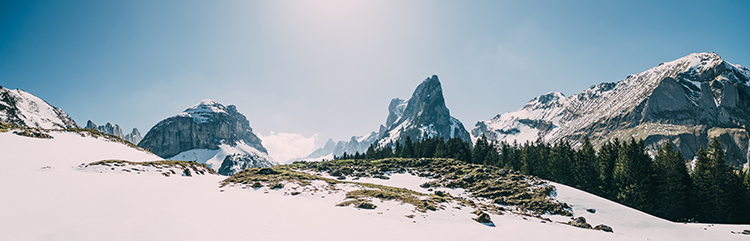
x=210, y=133
x=423, y=114
x=115, y=130
x=686, y=101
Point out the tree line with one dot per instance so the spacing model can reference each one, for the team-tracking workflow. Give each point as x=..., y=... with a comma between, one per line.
x=621, y=171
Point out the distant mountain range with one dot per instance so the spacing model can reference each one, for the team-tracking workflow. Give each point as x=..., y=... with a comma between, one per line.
x=687, y=101
x=115, y=130
x=425, y=113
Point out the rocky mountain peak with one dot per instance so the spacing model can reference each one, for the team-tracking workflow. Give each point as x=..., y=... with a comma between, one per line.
x=548, y=100
x=115, y=130
x=211, y=133
x=424, y=113
x=21, y=108
x=686, y=101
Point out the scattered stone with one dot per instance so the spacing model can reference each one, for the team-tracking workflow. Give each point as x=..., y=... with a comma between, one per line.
x=604, y=228
x=580, y=222
x=591, y=210
x=482, y=217
x=295, y=193
x=410, y=216
x=366, y=205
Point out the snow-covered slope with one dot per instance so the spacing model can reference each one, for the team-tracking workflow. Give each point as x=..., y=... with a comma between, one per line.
x=20, y=108
x=211, y=133
x=47, y=197
x=685, y=101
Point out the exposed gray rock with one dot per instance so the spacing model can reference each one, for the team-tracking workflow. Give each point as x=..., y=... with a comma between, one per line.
x=207, y=126
x=115, y=130
x=687, y=102
x=424, y=113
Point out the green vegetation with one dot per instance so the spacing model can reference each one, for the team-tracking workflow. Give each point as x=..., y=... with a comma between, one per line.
x=504, y=188
x=620, y=171
x=186, y=166
x=34, y=133
x=25, y=131
x=4, y=127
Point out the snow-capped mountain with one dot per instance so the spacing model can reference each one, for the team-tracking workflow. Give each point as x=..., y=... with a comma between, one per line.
x=20, y=108
x=424, y=113
x=115, y=130
x=209, y=133
x=687, y=101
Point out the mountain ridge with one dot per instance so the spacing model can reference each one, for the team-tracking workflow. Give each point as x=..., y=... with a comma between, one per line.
x=686, y=101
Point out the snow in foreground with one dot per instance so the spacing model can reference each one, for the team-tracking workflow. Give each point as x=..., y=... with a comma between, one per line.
x=45, y=196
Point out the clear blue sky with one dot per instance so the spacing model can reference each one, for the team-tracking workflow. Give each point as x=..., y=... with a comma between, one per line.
x=331, y=67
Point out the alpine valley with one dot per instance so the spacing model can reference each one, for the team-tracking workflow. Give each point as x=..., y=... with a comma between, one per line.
x=203, y=174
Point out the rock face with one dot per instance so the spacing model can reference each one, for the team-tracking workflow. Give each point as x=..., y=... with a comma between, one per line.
x=687, y=101
x=423, y=114
x=210, y=133
x=23, y=109
x=115, y=130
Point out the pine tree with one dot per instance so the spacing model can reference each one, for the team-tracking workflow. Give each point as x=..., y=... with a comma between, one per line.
x=606, y=164
x=493, y=157
x=370, y=154
x=585, y=172
x=560, y=166
x=711, y=182
x=632, y=176
x=408, y=150
x=479, y=152
x=673, y=183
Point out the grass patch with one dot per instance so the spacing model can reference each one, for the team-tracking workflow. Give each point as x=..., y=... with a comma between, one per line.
x=502, y=187
x=199, y=168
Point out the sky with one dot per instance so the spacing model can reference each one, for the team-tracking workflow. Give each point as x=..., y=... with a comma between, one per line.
x=306, y=71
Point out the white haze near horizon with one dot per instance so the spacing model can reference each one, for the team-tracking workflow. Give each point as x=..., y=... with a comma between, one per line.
x=283, y=146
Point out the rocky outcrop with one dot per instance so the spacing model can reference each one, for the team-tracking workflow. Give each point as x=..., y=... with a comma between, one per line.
x=208, y=132
x=20, y=108
x=687, y=102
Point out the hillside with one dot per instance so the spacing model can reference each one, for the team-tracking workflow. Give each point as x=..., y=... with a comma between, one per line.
x=47, y=196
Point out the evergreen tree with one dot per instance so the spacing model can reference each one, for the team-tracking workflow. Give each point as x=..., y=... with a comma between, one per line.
x=493, y=157
x=673, y=184
x=370, y=154
x=459, y=149
x=441, y=150
x=397, y=149
x=632, y=176
x=712, y=185
x=408, y=150
x=606, y=164
x=480, y=150
x=560, y=166
x=585, y=172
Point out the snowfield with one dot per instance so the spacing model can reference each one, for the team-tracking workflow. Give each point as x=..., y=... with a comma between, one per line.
x=44, y=195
